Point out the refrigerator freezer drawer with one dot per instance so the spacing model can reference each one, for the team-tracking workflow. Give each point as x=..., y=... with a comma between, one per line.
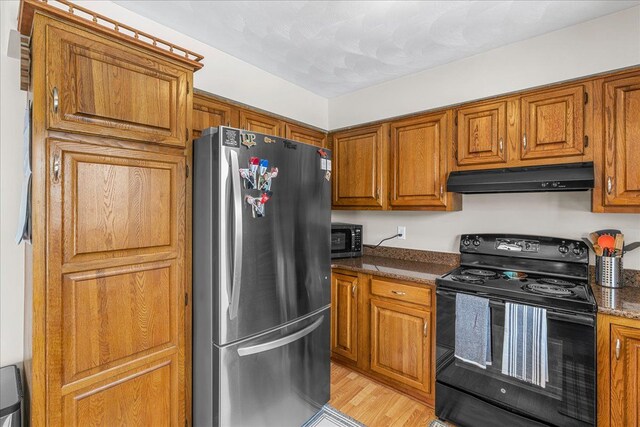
x=280, y=378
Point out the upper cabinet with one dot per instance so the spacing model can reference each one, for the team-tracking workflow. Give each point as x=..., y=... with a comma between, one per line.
x=208, y=112
x=418, y=163
x=303, y=134
x=256, y=122
x=101, y=87
x=553, y=123
x=359, y=159
x=537, y=128
x=482, y=134
x=621, y=143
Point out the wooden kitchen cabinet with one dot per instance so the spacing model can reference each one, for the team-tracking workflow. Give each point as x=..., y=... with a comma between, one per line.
x=618, y=371
x=419, y=163
x=392, y=327
x=482, y=134
x=344, y=315
x=256, y=122
x=107, y=289
x=304, y=134
x=401, y=344
x=208, y=112
x=118, y=218
x=360, y=168
x=98, y=86
x=553, y=123
x=620, y=155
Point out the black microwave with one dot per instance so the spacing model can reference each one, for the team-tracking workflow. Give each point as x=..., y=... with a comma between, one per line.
x=346, y=240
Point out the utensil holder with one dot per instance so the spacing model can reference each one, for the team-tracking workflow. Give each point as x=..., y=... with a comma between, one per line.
x=609, y=271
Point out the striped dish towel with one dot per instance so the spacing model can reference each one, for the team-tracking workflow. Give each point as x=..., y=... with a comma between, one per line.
x=524, y=351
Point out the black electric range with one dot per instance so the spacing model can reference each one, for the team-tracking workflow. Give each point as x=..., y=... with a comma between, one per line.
x=546, y=272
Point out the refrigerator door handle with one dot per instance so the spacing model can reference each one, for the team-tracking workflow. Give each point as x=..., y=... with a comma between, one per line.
x=236, y=196
x=261, y=348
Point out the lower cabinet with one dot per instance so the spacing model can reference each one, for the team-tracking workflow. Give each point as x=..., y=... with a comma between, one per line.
x=344, y=322
x=400, y=344
x=384, y=328
x=618, y=371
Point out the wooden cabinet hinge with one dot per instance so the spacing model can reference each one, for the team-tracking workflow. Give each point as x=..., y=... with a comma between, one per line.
x=186, y=299
x=455, y=120
x=586, y=140
x=187, y=170
x=186, y=134
x=586, y=98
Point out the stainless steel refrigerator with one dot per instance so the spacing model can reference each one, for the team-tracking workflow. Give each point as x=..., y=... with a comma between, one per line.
x=261, y=279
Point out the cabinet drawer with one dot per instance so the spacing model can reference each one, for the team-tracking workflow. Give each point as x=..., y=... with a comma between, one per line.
x=401, y=292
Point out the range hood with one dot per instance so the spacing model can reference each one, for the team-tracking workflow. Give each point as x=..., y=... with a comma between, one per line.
x=563, y=177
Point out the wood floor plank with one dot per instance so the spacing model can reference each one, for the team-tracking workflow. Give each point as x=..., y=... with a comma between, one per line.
x=374, y=404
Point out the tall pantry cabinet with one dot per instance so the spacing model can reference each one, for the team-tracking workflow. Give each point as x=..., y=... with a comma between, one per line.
x=108, y=280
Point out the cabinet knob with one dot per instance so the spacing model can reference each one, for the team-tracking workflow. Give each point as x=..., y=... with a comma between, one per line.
x=609, y=185
x=353, y=290
x=56, y=100
x=501, y=145
x=425, y=328
x=524, y=141
x=441, y=190
x=398, y=293
x=618, y=346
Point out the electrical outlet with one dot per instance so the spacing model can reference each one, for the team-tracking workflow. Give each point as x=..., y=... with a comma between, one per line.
x=402, y=231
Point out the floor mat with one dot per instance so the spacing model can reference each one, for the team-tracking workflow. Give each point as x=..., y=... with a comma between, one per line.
x=328, y=416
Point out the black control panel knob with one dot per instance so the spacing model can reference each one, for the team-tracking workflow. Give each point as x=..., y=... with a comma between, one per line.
x=466, y=241
x=563, y=249
x=476, y=242
x=578, y=251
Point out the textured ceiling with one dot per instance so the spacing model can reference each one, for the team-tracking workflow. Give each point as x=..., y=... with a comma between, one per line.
x=335, y=47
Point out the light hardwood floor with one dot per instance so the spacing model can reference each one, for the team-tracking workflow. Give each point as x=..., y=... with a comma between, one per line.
x=374, y=404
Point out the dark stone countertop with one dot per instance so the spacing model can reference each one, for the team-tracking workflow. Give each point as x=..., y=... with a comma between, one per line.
x=622, y=302
x=425, y=267
x=415, y=271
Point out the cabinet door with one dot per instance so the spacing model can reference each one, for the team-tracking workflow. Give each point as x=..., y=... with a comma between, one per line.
x=260, y=123
x=625, y=376
x=622, y=142
x=344, y=316
x=418, y=161
x=401, y=344
x=115, y=286
x=303, y=134
x=553, y=123
x=482, y=134
x=208, y=113
x=101, y=87
x=359, y=168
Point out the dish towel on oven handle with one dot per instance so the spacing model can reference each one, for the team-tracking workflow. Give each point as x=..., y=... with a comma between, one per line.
x=473, y=330
x=524, y=350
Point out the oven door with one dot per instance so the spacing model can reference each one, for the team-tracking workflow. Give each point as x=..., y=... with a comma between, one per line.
x=568, y=398
x=342, y=242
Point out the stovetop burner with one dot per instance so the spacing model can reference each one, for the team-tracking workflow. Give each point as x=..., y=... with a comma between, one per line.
x=556, y=282
x=480, y=272
x=467, y=278
x=530, y=288
x=552, y=290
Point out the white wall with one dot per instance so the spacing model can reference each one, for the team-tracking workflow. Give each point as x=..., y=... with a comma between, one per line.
x=12, y=102
x=545, y=214
x=603, y=44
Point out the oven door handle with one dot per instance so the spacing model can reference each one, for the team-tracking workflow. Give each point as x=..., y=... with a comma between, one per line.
x=579, y=319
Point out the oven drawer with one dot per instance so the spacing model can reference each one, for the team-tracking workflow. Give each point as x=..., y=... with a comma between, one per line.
x=401, y=292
